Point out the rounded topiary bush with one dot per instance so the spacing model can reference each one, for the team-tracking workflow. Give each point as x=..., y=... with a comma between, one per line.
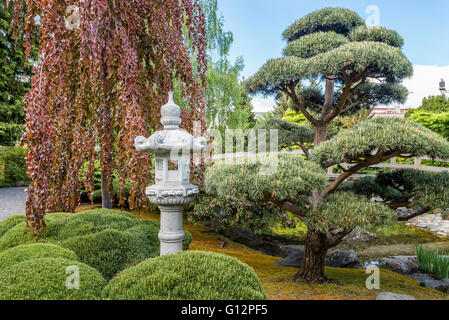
x=34, y=251
x=189, y=275
x=15, y=236
x=110, y=251
x=45, y=279
x=10, y=222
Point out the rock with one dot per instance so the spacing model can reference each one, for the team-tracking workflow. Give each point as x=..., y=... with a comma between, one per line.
x=393, y=296
x=343, y=259
x=428, y=281
x=400, y=264
x=337, y=259
x=250, y=239
x=440, y=285
x=359, y=235
x=421, y=277
x=294, y=259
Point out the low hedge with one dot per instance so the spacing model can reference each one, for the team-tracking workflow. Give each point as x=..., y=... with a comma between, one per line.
x=10, y=222
x=189, y=275
x=45, y=279
x=34, y=251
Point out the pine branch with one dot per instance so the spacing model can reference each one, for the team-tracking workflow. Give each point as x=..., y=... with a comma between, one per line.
x=285, y=205
x=292, y=94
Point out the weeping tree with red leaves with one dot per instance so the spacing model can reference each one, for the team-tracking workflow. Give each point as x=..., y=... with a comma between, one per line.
x=98, y=86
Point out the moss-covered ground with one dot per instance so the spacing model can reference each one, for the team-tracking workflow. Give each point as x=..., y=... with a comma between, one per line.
x=347, y=284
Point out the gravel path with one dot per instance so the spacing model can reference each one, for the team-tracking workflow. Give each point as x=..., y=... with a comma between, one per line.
x=12, y=201
x=432, y=222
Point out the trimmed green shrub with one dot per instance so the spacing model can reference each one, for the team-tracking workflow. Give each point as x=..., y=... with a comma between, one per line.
x=15, y=236
x=110, y=251
x=10, y=222
x=45, y=279
x=109, y=240
x=189, y=275
x=34, y=251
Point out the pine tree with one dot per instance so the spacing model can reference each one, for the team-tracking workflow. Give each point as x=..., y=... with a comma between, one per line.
x=356, y=66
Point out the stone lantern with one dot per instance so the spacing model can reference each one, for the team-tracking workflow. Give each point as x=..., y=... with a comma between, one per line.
x=172, y=189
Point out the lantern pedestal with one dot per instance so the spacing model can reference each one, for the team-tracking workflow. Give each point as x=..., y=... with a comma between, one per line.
x=172, y=189
x=171, y=234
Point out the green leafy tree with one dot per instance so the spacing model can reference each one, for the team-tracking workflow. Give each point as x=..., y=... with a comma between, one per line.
x=15, y=81
x=433, y=114
x=358, y=66
x=227, y=104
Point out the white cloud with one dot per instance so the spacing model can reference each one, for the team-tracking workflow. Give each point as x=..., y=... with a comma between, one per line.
x=261, y=104
x=422, y=84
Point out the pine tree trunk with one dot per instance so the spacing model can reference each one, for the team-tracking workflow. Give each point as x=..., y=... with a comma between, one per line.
x=320, y=134
x=312, y=269
x=106, y=199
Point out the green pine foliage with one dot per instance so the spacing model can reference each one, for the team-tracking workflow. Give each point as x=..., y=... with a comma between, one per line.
x=190, y=275
x=292, y=177
x=408, y=187
x=314, y=44
x=290, y=134
x=377, y=34
x=339, y=20
x=346, y=211
x=386, y=135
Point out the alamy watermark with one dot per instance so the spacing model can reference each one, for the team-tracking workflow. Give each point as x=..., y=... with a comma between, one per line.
x=72, y=282
x=72, y=17
x=238, y=146
x=373, y=19
x=373, y=281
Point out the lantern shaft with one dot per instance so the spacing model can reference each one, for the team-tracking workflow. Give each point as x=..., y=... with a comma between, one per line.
x=171, y=234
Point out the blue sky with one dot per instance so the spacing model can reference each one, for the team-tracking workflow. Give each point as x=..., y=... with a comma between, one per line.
x=258, y=24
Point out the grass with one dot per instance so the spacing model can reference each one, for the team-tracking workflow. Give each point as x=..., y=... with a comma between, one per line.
x=431, y=262
x=348, y=284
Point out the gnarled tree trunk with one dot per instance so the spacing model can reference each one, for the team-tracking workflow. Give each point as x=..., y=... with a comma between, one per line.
x=312, y=269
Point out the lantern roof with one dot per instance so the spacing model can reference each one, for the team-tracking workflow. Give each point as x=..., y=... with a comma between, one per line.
x=171, y=139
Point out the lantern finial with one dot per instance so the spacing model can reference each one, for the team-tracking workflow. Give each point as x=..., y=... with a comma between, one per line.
x=171, y=114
